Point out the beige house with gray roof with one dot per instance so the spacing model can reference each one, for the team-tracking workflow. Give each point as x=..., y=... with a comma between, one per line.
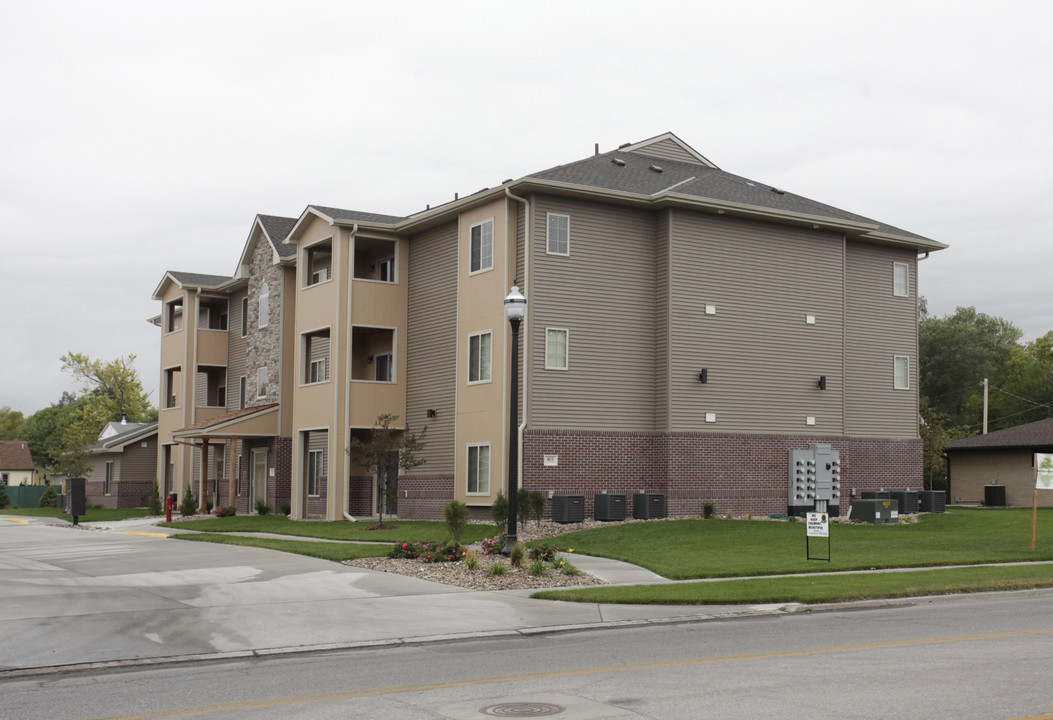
x=685, y=329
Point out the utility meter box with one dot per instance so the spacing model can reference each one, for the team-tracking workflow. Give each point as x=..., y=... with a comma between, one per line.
x=876, y=512
x=815, y=474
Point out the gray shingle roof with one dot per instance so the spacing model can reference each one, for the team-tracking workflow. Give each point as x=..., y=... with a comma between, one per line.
x=134, y=431
x=356, y=216
x=631, y=172
x=1036, y=435
x=278, y=228
x=198, y=279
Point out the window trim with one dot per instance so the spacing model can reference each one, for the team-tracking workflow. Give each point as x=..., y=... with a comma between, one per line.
x=548, y=234
x=906, y=279
x=468, y=469
x=896, y=360
x=322, y=376
x=317, y=480
x=261, y=382
x=264, y=306
x=566, y=348
x=487, y=268
x=489, y=374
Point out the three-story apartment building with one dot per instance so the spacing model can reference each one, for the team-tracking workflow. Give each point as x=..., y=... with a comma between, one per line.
x=685, y=329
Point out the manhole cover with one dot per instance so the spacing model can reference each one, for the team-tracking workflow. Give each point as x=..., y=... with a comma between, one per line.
x=522, y=709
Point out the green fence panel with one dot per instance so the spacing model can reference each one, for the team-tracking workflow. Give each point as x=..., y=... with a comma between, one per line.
x=26, y=496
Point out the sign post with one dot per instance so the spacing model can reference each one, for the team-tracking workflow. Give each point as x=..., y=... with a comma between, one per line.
x=1043, y=481
x=818, y=525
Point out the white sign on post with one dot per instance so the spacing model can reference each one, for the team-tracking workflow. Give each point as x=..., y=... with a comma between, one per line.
x=1043, y=471
x=818, y=524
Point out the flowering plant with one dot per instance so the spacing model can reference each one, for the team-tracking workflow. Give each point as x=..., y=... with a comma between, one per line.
x=494, y=545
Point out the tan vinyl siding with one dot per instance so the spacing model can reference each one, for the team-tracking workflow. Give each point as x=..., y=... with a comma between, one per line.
x=879, y=326
x=661, y=320
x=236, y=349
x=431, y=343
x=763, y=359
x=668, y=150
x=140, y=463
x=603, y=294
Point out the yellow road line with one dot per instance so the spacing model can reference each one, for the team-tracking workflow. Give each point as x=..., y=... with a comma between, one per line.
x=147, y=534
x=570, y=672
x=17, y=520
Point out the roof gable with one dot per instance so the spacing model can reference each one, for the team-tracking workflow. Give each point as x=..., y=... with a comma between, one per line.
x=15, y=455
x=189, y=280
x=668, y=146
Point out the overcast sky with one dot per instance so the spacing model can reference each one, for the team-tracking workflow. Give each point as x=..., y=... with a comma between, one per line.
x=142, y=137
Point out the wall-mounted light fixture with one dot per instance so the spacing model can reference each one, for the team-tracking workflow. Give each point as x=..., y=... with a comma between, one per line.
x=369, y=359
x=431, y=413
x=703, y=375
x=822, y=382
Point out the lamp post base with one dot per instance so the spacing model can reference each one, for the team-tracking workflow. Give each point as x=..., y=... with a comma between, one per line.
x=509, y=544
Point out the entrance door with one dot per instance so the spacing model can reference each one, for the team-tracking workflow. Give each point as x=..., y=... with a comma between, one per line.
x=258, y=482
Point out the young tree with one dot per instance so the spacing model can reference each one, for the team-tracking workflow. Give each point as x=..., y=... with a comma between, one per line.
x=44, y=429
x=387, y=449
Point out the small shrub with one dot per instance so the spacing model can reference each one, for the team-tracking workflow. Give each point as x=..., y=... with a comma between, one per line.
x=450, y=551
x=208, y=506
x=494, y=545
x=456, y=513
x=544, y=551
x=405, y=550
x=153, y=504
x=49, y=498
x=517, y=555
x=93, y=507
x=188, y=507
x=567, y=569
x=228, y=511
x=529, y=504
x=708, y=510
x=285, y=508
x=471, y=561
x=498, y=568
x=5, y=499
x=262, y=508
x=538, y=568
x=499, y=510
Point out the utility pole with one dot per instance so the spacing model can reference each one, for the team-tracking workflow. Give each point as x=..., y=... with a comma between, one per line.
x=985, y=406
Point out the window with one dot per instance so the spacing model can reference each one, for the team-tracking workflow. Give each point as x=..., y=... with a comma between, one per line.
x=900, y=279
x=172, y=379
x=265, y=305
x=3, y=478
x=482, y=246
x=317, y=371
x=479, y=469
x=221, y=396
x=237, y=478
x=555, y=349
x=558, y=234
x=174, y=316
x=314, y=349
x=383, y=367
x=386, y=270
x=479, y=357
x=219, y=464
x=244, y=316
x=261, y=382
x=108, y=482
x=901, y=372
x=241, y=394
x=315, y=470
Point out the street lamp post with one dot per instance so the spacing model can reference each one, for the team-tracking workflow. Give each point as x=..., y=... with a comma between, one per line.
x=515, y=309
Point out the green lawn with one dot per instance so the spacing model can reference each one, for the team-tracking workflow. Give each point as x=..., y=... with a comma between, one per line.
x=402, y=530
x=817, y=588
x=688, y=549
x=336, y=552
x=103, y=515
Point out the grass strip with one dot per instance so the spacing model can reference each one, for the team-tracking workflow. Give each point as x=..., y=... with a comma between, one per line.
x=808, y=589
x=401, y=530
x=337, y=552
x=91, y=514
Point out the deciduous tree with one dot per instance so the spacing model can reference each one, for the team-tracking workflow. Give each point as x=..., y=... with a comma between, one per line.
x=386, y=449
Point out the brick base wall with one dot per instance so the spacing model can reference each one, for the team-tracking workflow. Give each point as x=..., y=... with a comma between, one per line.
x=423, y=497
x=123, y=494
x=740, y=473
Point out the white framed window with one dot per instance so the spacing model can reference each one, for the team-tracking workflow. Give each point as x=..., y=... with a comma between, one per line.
x=386, y=270
x=479, y=469
x=261, y=382
x=479, y=357
x=315, y=470
x=901, y=279
x=318, y=372
x=901, y=372
x=558, y=234
x=384, y=369
x=244, y=316
x=241, y=392
x=482, y=246
x=265, y=305
x=556, y=341
x=107, y=484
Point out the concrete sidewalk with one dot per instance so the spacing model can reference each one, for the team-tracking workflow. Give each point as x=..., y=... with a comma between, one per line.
x=126, y=594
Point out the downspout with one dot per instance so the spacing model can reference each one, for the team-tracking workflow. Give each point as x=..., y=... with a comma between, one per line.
x=526, y=323
x=345, y=427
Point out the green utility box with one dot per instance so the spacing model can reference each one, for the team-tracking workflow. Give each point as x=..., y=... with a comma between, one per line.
x=876, y=511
